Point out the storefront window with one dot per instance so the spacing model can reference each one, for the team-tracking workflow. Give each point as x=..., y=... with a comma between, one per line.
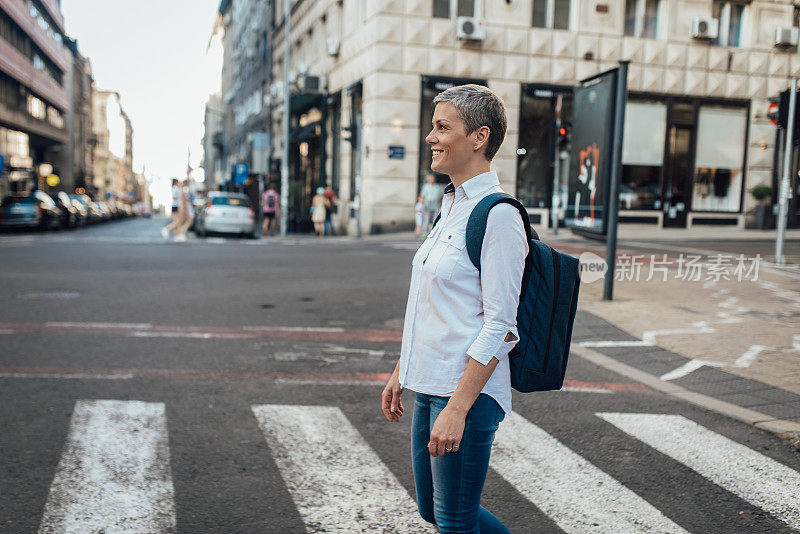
x=537, y=146
x=642, y=155
x=720, y=158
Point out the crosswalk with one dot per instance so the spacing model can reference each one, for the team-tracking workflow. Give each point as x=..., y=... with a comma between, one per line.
x=114, y=473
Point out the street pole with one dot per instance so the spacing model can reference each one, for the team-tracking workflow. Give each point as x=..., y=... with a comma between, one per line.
x=287, y=95
x=784, y=187
x=554, y=200
x=357, y=200
x=616, y=171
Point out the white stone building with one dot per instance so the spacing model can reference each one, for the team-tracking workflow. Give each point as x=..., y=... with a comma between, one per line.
x=697, y=136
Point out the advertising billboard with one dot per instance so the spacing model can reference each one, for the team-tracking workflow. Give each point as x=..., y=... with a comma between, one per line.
x=590, y=160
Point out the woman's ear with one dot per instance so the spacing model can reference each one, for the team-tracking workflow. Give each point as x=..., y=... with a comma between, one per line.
x=481, y=137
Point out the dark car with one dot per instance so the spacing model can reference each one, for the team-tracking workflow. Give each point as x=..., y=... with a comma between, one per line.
x=84, y=215
x=70, y=218
x=37, y=210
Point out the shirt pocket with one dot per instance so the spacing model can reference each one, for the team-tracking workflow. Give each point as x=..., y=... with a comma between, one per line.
x=451, y=247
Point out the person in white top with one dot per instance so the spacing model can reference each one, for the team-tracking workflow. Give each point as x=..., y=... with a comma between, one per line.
x=460, y=324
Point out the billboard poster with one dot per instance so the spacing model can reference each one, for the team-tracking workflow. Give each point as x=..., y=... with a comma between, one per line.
x=590, y=160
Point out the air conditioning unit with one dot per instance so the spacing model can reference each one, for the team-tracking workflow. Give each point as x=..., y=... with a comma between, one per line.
x=705, y=28
x=312, y=84
x=332, y=46
x=471, y=28
x=787, y=37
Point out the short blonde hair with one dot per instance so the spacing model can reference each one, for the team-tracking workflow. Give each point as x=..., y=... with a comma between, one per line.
x=478, y=106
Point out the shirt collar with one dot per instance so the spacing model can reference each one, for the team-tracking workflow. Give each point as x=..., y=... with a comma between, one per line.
x=476, y=185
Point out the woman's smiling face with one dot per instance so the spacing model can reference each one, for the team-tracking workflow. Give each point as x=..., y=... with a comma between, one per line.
x=449, y=142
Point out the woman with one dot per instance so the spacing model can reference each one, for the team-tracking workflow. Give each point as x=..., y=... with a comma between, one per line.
x=459, y=324
x=318, y=211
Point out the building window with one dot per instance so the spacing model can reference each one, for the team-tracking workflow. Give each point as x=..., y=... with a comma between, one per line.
x=447, y=9
x=551, y=14
x=36, y=108
x=731, y=16
x=720, y=158
x=642, y=18
x=643, y=155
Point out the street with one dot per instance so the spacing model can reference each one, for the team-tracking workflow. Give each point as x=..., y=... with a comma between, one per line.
x=226, y=385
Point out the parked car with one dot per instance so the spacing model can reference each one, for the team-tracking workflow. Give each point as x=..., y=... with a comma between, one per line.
x=95, y=214
x=36, y=210
x=142, y=209
x=84, y=215
x=228, y=213
x=69, y=214
x=105, y=211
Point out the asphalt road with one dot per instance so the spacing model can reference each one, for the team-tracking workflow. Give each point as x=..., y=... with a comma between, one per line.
x=233, y=386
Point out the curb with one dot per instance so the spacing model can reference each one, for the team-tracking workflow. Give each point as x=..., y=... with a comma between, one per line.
x=784, y=429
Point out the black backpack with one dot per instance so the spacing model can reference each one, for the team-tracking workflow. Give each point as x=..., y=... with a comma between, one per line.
x=547, y=303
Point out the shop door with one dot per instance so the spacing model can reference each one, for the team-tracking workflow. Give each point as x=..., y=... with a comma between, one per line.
x=678, y=176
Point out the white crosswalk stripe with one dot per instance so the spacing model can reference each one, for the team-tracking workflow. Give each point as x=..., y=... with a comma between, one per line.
x=338, y=483
x=575, y=494
x=752, y=476
x=114, y=473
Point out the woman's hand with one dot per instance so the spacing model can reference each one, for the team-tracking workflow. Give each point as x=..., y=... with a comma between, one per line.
x=391, y=404
x=446, y=432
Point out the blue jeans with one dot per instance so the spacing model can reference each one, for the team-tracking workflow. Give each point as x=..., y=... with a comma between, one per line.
x=449, y=486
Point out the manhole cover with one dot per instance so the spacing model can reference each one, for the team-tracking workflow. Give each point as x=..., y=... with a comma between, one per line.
x=267, y=306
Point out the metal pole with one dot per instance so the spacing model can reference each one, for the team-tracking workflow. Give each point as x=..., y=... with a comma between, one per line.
x=784, y=186
x=616, y=171
x=287, y=95
x=554, y=199
x=357, y=200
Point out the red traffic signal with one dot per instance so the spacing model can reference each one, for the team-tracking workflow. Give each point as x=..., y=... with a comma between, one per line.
x=562, y=132
x=772, y=112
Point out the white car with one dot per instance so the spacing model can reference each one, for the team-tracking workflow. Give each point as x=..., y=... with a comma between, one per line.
x=227, y=213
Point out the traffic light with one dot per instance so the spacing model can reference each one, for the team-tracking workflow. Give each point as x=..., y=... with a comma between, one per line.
x=564, y=136
x=783, y=114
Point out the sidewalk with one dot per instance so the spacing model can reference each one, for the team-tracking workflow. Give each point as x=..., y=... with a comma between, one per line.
x=735, y=343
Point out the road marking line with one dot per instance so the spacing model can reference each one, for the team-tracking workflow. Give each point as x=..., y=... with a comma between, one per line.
x=331, y=382
x=575, y=494
x=293, y=329
x=192, y=335
x=756, y=478
x=337, y=482
x=604, y=343
x=121, y=376
x=126, y=326
x=742, y=362
x=585, y=390
x=114, y=472
x=6, y=331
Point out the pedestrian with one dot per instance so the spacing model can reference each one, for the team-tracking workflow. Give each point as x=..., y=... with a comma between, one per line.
x=459, y=324
x=176, y=195
x=419, y=216
x=185, y=214
x=332, y=207
x=432, y=193
x=319, y=211
x=270, y=201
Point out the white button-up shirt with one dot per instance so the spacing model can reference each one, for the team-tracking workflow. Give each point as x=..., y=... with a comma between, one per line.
x=454, y=312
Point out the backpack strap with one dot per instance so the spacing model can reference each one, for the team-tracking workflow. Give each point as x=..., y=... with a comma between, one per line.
x=476, y=225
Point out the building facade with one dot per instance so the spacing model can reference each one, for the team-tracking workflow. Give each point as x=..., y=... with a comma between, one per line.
x=697, y=138
x=113, y=149
x=34, y=97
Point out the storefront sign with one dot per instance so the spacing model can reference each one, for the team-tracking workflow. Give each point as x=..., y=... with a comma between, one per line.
x=397, y=152
x=240, y=173
x=590, y=161
x=20, y=162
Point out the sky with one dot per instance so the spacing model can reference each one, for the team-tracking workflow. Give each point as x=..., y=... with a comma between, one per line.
x=153, y=52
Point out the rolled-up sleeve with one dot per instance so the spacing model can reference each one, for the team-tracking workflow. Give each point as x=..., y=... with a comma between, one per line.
x=503, y=255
